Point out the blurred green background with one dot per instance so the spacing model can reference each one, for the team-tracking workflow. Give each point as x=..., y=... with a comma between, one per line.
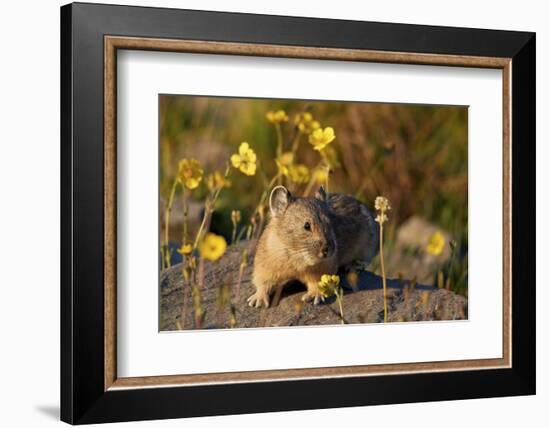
x=415, y=155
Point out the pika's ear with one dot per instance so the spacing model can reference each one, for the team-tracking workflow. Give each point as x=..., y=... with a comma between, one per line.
x=279, y=200
x=321, y=194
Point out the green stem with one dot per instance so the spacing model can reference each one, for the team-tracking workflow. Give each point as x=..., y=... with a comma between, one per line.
x=264, y=196
x=197, y=297
x=203, y=223
x=234, y=233
x=296, y=142
x=208, y=210
x=451, y=264
x=309, y=186
x=167, y=223
x=241, y=233
x=265, y=193
x=185, y=213
x=312, y=181
x=279, y=148
x=339, y=300
x=184, y=303
x=279, y=140
x=262, y=173
x=383, y=270
x=326, y=165
x=268, y=189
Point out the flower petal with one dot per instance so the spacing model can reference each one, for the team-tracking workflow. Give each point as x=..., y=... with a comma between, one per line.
x=243, y=148
x=235, y=160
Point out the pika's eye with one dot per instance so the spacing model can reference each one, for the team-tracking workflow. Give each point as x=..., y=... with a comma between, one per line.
x=307, y=226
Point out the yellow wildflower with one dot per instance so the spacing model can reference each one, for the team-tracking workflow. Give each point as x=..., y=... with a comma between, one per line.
x=305, y=122
x=185, y=250
x=216, y=181
x=245, y=160
x=190, y=173
x=320, y=138
x=284, y=162
x=212, y=247
x=278, y=116
x=436, y=244
x=329, y=284
x=298, y=173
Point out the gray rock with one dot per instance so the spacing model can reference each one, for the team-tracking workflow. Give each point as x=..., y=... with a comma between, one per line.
x=408, y=257
x=362, y=303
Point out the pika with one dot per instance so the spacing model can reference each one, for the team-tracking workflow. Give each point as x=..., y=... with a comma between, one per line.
x=307, y=237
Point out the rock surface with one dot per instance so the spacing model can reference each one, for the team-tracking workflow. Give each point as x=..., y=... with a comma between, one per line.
x=362, y=303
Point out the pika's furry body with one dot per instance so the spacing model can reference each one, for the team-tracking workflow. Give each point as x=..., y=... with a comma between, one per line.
x=309, y=237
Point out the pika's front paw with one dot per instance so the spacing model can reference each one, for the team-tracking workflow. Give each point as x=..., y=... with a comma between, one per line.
x=315, y=297
x=258, y=299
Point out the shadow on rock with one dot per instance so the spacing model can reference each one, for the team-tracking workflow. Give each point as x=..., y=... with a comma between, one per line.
x=224, y=304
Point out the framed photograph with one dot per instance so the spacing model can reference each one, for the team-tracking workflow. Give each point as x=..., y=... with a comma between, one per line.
x=266, y=213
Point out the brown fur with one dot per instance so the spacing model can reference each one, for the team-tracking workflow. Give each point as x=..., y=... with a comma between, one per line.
x=341, y=230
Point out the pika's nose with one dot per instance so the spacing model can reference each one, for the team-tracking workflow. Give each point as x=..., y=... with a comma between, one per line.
x=324, y=251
